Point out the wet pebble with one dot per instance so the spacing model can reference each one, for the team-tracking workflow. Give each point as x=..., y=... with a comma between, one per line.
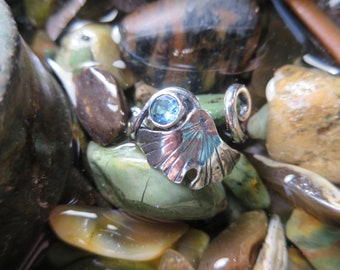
x=238, y=245
x=173, y=260
x=247, y=186
x=101, y=107
x=35, y=144
x=303, y=121
x=113, y=233
x=319, y=242
x=91, y=45
x=297, y=261
x=194, y=44
x=213, y=104
x=192, y=245
x=124, y=177
x=257, y=124
x=301, y=187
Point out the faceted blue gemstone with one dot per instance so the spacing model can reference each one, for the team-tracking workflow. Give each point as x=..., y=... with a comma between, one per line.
x=165, y=110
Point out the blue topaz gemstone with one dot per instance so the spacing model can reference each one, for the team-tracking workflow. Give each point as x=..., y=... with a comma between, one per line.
x=165, y=110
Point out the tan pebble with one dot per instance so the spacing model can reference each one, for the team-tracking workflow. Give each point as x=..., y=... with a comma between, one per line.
x=304, y=120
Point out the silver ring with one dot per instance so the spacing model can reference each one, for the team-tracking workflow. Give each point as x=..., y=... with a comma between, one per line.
x=237, y=106
x=181, y=139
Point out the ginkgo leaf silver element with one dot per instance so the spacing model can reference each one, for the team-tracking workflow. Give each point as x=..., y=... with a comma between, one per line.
x=181, y=139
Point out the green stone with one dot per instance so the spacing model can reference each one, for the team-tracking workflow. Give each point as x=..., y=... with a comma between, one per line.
x=318, y=241
x=257, y=124
x=92, y=45
x=214, y=105
x=247, y=186
x=124, y=177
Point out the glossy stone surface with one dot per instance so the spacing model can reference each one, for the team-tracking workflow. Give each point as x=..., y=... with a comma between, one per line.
x=192, y=245
x=214, y=105
x=273, y=254
x=174, y=260
x=297, y=261
x=303, y=121
x=35, y=144
x=319, y=242
x=92, y=46
x=237, y=246
x=164, y=110
x=257, y=124
x=101, y=107
x=194, y=44
x=63, y=256
x=124, y=177
x=113, y=233
x=85, y=11
x=102, y=263
x=301, y=187
x=247, y=186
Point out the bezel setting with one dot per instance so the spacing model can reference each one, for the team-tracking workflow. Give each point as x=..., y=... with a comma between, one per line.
x=172, y=112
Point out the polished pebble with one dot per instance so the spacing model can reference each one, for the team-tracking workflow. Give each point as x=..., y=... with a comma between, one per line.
x=247, y=186
x=238, y=245
x=301, y=187
x=303, y=120
x=192, y=245
x=124, y=177
x=319, y=242
x=113, y=233
x=101, y=106
x=173, y=260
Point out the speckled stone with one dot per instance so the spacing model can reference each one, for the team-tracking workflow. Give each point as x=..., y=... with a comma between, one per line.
x=319, y=242
x=303, y=122
x=101, y=107
x=124, y=177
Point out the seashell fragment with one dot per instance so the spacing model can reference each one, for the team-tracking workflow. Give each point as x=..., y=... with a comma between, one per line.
x=273, y=254
x=113, y=233
x=319, y=242
x=301, y=187
x=124, y=177
x=237, y=246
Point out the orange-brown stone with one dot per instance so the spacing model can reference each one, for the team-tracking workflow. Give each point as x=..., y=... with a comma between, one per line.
x=304, y=120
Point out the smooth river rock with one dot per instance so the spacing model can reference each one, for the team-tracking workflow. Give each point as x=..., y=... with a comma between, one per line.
x=303, y=122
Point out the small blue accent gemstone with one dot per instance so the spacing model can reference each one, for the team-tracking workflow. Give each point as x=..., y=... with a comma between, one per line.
x=164, y=110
